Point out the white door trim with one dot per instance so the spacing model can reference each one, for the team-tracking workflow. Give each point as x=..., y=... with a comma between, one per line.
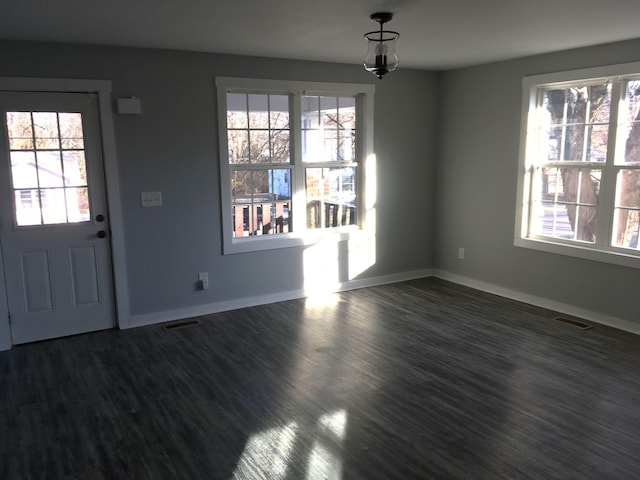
x=103, y=89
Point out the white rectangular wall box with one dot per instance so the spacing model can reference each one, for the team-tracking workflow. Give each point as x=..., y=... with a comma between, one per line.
x=129, y=106
x=151, y=199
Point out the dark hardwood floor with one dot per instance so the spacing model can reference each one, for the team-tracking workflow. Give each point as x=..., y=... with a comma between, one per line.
x=416, y=380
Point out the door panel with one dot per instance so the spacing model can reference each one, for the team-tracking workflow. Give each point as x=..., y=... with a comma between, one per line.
x=36, y=282
x=84, y=275
x=57, y=269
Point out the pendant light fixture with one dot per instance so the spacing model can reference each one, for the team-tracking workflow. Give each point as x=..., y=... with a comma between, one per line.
x=381, y=57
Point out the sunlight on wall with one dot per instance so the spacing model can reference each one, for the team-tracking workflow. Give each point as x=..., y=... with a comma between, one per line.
x=319, y=300
x=322, y=267
x=362, y=248
x=268, y=454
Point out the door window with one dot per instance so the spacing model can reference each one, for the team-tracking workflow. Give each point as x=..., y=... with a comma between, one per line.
x=48, y=169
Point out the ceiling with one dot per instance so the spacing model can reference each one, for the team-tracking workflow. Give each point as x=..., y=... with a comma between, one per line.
x=434, y=34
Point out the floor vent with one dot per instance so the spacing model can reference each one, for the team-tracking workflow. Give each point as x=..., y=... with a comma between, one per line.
x=185, y=324
x=573, y=323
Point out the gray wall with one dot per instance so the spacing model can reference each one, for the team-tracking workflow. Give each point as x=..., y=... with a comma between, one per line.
x=476, y=176
x=172, y=147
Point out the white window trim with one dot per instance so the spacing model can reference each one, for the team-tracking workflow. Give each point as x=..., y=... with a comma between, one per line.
x=300, y=236
x=606, y=254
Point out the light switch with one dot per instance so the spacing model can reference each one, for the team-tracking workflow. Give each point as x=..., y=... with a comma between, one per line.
x=151, y=199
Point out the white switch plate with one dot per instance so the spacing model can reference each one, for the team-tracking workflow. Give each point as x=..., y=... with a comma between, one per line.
x=151, y=199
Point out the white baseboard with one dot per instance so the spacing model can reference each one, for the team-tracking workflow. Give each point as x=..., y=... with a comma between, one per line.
x=572, y=310
x=206, y=309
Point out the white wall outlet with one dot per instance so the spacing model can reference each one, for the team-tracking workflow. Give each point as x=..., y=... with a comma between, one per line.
x=461, y=253
x=203, y=280
x=151, y=199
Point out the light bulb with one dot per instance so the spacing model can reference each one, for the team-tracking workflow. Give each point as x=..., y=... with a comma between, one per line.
x=381, y=55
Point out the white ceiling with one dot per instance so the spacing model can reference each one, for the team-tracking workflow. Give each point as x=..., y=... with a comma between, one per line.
x=434, y=34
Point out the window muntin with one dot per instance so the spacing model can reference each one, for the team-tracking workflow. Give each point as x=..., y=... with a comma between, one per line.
x=581, y=177
x=292, y=160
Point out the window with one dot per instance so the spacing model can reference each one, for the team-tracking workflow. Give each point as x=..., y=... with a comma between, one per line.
x=579, y=188
x=291, y=160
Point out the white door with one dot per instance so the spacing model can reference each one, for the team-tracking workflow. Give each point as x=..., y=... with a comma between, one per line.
x=53, y=216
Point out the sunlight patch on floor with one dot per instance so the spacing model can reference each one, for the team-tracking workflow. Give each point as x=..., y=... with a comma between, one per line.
x=268, y=454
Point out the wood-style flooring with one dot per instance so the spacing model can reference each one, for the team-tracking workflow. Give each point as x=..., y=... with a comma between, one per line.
x=416, y=380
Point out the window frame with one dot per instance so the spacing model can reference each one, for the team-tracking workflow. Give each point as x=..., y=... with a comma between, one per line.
x=300, y=234
x=602, y=250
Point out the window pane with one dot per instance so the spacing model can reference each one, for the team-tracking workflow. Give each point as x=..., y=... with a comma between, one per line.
x=279, y=111
x=238, y=146
x=628, y=189
x=240, y=184
x=237, y=110
x=329, y=112
x=77, y=204
x=259, y=149
x=626, y=228
x=280, y=146
x=597, y=138
x=49, y=169
x=632, y=120
x=27, y=207
x=312, y=145
x=75, y=169
x=331, y=197
x=19, y=130
x=71, y=130
x=347, y=130
x=45, y=126
x=330, y=145
x=310, y=112
x=54, y=209
x=23, y=170
x=258, y=111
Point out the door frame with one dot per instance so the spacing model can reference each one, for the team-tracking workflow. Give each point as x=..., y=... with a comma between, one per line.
x=102, y=88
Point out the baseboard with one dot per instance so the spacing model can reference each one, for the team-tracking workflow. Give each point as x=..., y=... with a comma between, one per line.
x=564, y=308
x=206, y=309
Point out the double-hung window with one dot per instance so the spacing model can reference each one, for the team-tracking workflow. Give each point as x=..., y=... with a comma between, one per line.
x=579, y=181
x=291, y=160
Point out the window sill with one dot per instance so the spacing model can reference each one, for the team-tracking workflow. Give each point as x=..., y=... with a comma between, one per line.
x=272, y=242
x=587, y=252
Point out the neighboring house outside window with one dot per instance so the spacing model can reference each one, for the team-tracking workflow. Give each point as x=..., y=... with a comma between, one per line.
x=292, y=160
x=579, y=180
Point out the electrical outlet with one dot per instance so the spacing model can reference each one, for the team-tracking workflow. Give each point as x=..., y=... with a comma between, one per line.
x=203, y=280
x=461, y=253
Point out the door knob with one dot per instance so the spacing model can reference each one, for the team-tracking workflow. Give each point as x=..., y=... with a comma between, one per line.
x=101, y=234
x=100, y=218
